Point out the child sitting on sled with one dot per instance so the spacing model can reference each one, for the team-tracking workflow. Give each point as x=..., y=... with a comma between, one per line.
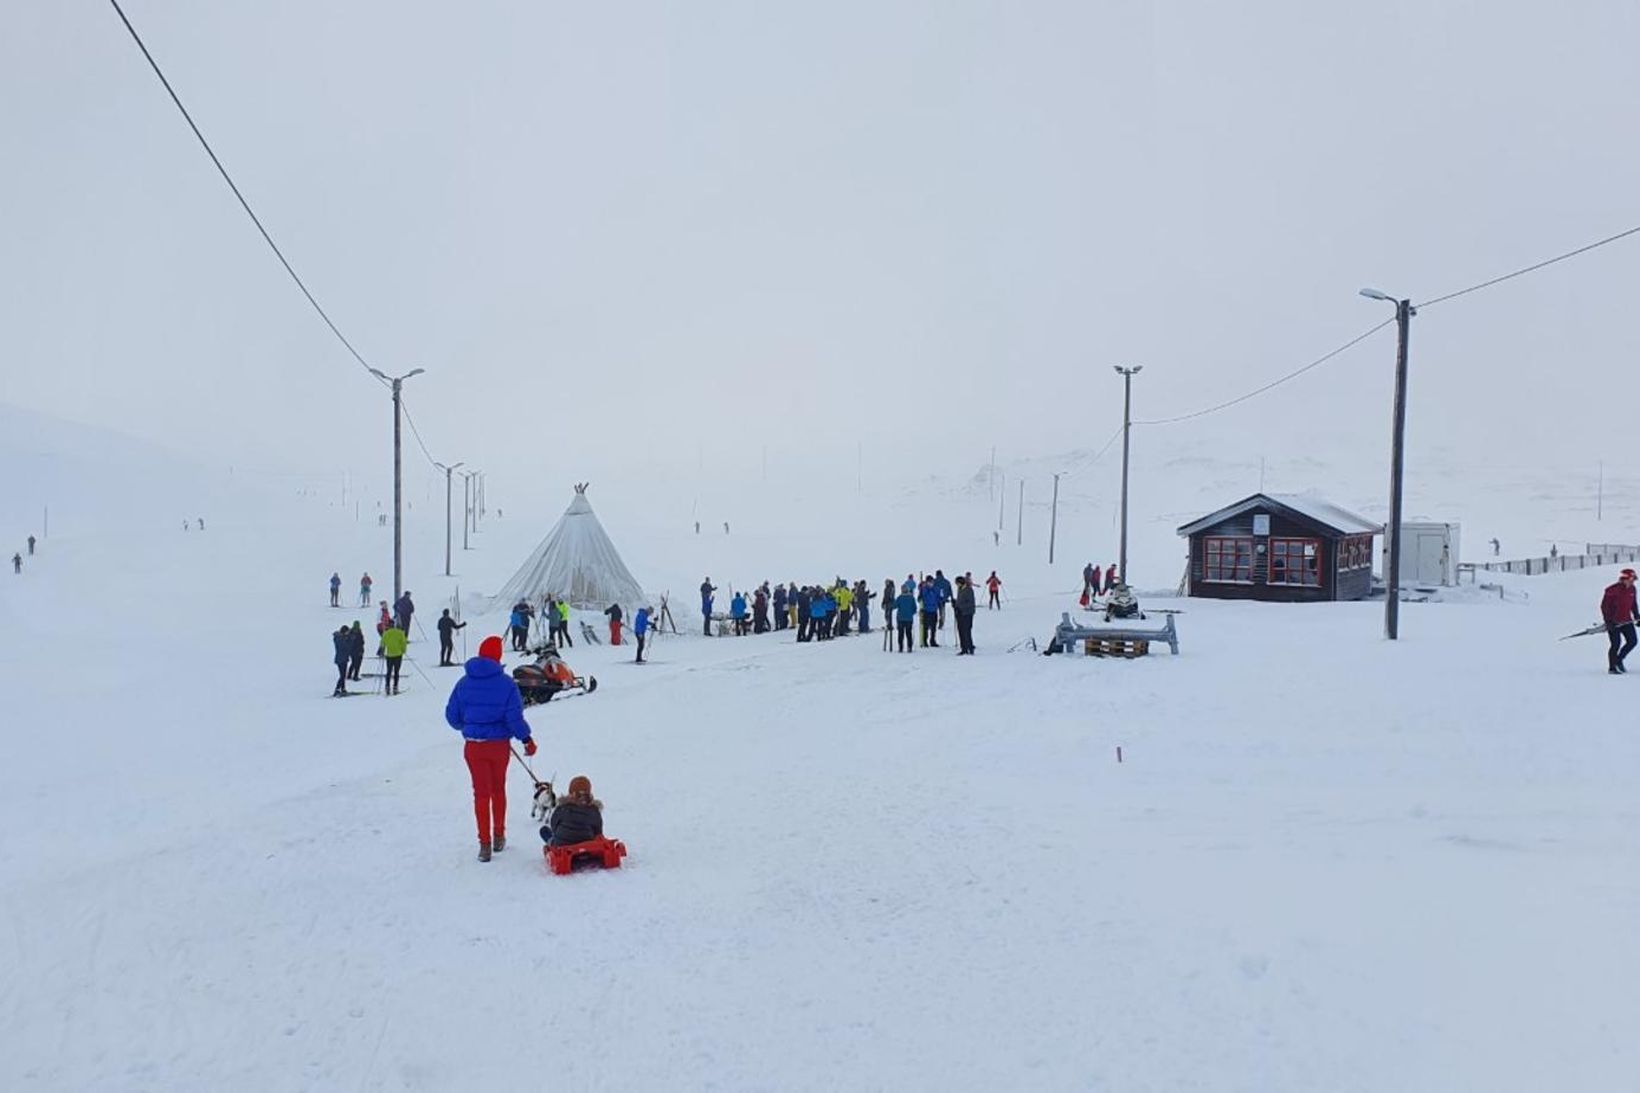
x=574, y=818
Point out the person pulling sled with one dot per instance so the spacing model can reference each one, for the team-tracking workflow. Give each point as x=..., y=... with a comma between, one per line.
x=485, y=708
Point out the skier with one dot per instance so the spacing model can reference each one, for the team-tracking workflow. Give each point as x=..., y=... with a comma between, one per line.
x=614, y=613
x=563, y=624
x=843, y=598
x=17, y=563
x=355, y=650
x=803, y=603
x=1617, y=611
x=963, y=608
x=640, y=630
x=364, y=590
x=862, y=602
x=905, y=613
x=202, y=523
x=31, y=546
x=779, y=607
x=737, y=613
x=932, y=603
x=403, y=612
x=1496, y=547
x=447, y=628
x=342, y=639
x=578, y=818
x=486, y=709
x=821, y=606
x=518, y=626
x=383, y=621
x=760, y=609
x=706, y=590
x=394, y=644
x=993, y=585
x=335, y=590
x=943, y=586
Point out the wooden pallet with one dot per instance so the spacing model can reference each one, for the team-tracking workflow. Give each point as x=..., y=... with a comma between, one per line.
x=1125, y=648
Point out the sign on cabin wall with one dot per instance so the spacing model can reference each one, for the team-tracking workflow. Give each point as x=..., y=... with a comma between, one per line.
x=1261, y=524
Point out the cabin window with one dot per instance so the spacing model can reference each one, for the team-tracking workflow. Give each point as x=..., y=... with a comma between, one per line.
x=1228, y=560
x=1355, y=552
x=1295, y=562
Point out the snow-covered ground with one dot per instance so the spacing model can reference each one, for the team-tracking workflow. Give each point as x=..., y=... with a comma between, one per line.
x=1325, y=862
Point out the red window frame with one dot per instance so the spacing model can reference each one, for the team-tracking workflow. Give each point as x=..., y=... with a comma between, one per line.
x=1357, y=552
x=1227, y=559
x=1307, y=553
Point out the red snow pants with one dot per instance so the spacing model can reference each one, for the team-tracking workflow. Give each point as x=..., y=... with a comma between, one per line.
x=487, y=762
x=614, y=632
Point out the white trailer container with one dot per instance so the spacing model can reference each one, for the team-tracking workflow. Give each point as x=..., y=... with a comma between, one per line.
x=1429, y=554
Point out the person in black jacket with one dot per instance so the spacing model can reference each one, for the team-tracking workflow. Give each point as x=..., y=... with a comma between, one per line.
x=963, y=608
x=343, y=644
x=447, y=628
x=780, y=615
x=578, y=818
x=355, y=650
x=805, y=596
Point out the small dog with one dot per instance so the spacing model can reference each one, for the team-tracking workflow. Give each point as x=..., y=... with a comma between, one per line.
x=545, y=801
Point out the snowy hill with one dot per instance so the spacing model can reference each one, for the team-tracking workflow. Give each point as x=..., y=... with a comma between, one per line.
x=1325, y=862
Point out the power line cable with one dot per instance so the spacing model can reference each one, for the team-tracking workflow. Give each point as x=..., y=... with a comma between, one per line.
x=246, y=205
x=1531, y=268
x=1317, y=363
x=415, y=432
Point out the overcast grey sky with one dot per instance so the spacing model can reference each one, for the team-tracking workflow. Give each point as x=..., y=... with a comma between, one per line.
x=927, y=226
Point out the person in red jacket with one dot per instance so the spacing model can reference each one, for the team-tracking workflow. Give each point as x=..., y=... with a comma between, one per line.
x=1617, y=611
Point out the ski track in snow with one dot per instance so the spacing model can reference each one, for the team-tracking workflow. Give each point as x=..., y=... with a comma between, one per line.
x=1326, y=862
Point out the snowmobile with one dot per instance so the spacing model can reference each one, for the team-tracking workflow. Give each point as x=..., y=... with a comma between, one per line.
x=548, y=676
x=1122, y=604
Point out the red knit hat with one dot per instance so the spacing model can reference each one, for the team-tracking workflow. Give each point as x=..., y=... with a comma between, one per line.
x=580, y=785
x=490, y=649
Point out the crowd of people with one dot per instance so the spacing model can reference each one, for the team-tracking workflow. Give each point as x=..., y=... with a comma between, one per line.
x=1096, y=582
x=822, y=612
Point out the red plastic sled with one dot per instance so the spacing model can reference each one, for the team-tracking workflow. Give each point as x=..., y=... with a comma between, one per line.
x=602, y=852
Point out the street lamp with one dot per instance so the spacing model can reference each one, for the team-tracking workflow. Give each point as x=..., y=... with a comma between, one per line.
x=1053, y=519
x=1127, y=375
x=1404, y=311
x=397, y=382
x=466, y=505
x=448, y=470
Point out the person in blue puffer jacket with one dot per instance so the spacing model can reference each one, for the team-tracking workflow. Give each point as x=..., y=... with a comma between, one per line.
x=737, y=612
x=905, y=613
x=485, y=708
x=931, y=600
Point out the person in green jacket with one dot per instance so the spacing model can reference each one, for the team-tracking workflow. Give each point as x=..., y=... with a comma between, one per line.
x=394, y=643
x=563, y=623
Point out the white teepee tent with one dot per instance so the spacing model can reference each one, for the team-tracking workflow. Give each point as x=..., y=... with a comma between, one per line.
x=576, y=561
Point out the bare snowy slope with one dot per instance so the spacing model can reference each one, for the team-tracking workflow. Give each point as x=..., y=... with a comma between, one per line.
x=1325, y=862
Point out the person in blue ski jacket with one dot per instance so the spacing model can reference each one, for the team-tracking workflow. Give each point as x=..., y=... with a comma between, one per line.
x=640, y=629
x=931, y=604
x=486, y=709
x=335, y=588
x=905, y=613
x=946, y=593
x=737, y=612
